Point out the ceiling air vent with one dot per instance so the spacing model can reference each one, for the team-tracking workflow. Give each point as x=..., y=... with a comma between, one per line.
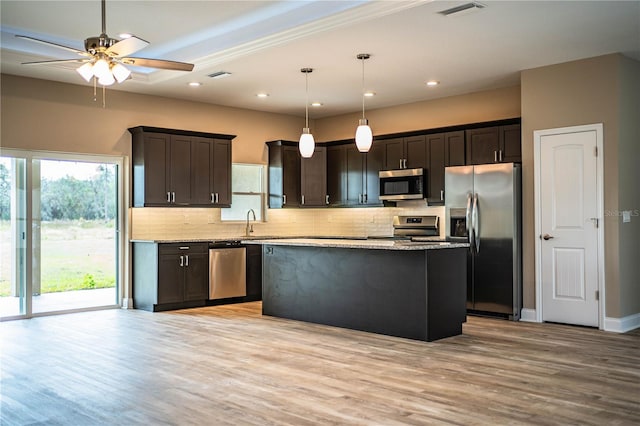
x=220, y=74
x=462, y=8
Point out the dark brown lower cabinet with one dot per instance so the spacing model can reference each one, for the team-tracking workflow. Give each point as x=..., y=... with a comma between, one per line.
x=170, y=276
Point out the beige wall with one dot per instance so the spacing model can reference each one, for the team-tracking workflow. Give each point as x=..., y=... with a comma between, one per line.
x=629, y=185
x=586, y=92
x=477, y=107
x=43, y=115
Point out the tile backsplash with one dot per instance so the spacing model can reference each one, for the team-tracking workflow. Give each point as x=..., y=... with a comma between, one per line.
x=204, y=223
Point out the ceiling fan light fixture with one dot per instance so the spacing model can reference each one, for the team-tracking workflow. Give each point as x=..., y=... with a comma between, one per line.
x=106, y=80
x=120, y=72
x=86, y=71
x=101, y=68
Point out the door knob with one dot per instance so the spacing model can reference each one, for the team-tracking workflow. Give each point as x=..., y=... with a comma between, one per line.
x=547, y=237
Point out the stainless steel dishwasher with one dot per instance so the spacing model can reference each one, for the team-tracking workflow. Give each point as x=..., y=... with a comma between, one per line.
x=227, y=270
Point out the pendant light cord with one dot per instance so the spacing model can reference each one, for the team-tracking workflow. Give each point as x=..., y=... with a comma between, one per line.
x=363, y=58
x=306, y=105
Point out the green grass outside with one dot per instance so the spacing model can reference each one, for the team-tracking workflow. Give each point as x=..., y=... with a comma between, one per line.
x=75, y=255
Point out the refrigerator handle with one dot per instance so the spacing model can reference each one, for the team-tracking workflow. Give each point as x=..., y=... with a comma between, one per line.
x=469, y=224
x=475, y=220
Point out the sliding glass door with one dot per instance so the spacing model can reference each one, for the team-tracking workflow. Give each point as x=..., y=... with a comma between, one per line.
x=62, y=227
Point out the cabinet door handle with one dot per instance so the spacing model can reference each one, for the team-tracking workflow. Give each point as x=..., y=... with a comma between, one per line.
x=495, y=156
x=181, y=260
x=187, y=262
x=284, y=199
x=359, y=198
x=405, y=163
x=365, y=198
x=500, y=155
x=303, y=199
x=173, y=197
x=327, y=199
x=212, y=198
x=168, y=197
x=442, y=195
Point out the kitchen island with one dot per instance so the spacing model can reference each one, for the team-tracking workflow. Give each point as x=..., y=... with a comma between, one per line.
x=407, y=289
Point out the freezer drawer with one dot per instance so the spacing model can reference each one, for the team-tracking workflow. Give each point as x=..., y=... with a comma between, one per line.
x=227, y=272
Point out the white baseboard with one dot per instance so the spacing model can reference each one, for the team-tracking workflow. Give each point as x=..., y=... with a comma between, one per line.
x=622, y=325
x=528, y=315
x=127, y=303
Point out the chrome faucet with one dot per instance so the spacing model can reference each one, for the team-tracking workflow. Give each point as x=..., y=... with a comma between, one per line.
x=249, y=228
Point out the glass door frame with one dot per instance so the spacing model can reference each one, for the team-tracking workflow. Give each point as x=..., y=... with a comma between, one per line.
x=121, y=224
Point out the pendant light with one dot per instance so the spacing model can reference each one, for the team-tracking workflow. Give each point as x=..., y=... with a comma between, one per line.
x=306, y=145
x=364, y=137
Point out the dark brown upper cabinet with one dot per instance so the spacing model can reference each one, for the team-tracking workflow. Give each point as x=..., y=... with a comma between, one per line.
x=443, y=150
x=404, y=153
x=352, y=176
x=497, y=144
x=180, y=168
x=295, y=181
x=313, y=179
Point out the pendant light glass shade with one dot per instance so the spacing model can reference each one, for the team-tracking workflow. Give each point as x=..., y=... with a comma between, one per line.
x=306, y=145
x=364, y=136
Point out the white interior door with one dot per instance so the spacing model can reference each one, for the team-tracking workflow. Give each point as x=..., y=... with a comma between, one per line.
x=568, y=220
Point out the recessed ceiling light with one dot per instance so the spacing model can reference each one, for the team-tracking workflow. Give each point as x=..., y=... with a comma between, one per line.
x=316, y=104
x=369, y=94
x=432, y=83
x=262, y=95
x=125, y=35
x=195, y=84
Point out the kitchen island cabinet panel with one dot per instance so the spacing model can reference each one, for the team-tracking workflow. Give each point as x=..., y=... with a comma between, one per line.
x=416, y=294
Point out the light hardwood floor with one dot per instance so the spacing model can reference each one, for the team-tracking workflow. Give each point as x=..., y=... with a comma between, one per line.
x=229, y=365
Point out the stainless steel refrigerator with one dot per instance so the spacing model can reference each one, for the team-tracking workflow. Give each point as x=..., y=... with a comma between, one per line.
x=483, y=206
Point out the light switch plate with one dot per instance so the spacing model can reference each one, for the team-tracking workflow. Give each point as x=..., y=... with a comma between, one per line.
x=626, y=216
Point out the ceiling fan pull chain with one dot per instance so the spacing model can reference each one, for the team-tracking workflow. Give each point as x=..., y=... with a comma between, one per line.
x=104, y=96
x=95, y=96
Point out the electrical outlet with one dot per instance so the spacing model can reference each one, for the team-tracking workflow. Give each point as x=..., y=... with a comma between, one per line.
x=626, y=216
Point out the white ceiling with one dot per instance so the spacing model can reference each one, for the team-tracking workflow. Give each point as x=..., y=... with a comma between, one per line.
x=265, y=43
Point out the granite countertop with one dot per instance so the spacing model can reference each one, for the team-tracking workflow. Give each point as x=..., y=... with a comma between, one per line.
x=359, y=243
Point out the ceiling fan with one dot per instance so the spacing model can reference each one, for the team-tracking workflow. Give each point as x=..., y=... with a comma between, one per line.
x=104, y=57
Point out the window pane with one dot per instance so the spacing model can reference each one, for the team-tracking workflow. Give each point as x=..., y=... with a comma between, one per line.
x=246, y=178
x=240, y=205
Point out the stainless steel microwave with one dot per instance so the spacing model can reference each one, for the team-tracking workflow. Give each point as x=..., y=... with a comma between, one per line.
x=403, y=184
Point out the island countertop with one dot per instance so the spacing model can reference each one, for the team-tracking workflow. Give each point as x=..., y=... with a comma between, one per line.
x=374, y=244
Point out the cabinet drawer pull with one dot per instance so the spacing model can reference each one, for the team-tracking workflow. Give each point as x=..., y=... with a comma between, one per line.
x=184, y=247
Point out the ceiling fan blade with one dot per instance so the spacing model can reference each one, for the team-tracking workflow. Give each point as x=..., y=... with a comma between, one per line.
x=126, y=47
x=55, y=61
x=157, y=63
x=49, y=43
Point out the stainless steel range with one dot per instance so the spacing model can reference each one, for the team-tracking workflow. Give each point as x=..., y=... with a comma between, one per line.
x=415, y=228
